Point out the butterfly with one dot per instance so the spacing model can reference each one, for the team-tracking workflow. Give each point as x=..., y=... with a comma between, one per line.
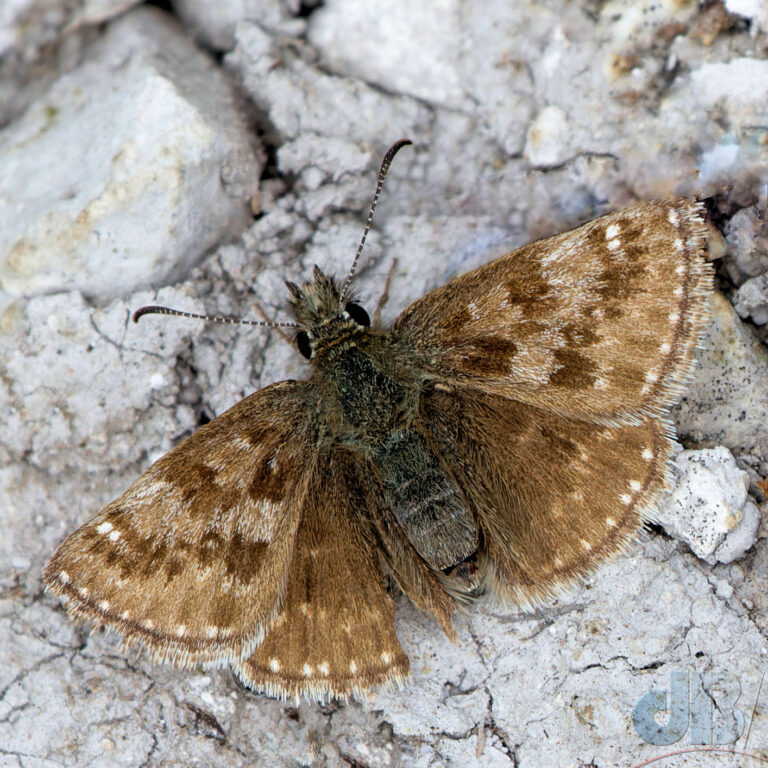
x=505, y=435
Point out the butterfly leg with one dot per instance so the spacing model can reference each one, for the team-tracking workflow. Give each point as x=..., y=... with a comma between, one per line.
x=384, y=298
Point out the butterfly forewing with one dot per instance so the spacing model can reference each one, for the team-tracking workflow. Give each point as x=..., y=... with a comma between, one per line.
x=191, y=560
x=336, y=633
x=600, y=322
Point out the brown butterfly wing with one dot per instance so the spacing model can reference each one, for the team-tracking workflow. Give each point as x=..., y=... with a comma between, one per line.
x=552, y=495
x=599, y=322
x=191, y=560
x=336, y=633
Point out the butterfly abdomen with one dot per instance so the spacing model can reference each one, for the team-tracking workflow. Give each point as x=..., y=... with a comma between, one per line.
x=424, y=500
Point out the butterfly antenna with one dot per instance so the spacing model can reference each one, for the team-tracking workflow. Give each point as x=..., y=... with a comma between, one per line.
x=156, y=310
x=385, y=163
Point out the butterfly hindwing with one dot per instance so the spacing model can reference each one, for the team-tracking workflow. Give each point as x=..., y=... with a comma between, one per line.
x=553, y=495
x=336, y=633
x=600, y=322
x=191, y=560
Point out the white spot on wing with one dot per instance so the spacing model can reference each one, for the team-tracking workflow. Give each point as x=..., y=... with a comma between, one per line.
x=385, y=658
x=114, y=535
x=635, y=485
x=673, y=218
x=180, y=630
x=625, y=499
x=647, y=454
x=610, y=522
x=611, y=231
x=325, y=670
x=211, y=631
x=353, y=666
x=104, y=528
x=306, y=670
x=274, y=665
x=586, y=545
x=665, y=348
x=64, y=577
x=104, y=605
x=614, y=245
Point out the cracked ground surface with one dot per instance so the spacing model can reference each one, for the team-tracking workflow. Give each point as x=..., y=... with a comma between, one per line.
x=519, y=689
x=528, y=119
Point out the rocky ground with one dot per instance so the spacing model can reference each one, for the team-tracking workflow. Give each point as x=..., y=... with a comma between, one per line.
x=197, y=154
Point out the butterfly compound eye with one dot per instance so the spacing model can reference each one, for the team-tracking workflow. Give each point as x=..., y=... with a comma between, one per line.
x=303, y=343
x=358, y=314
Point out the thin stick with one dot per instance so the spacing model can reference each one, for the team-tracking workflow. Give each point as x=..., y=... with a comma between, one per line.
x=754, y=707
x=391, y=152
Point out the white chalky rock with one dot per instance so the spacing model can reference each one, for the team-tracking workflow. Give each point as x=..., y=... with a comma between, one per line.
x=547, y=142
x=751, y=300
x=708, y=508
x=754, y=10
x=123, y=164
x=214, y=23
x=430, y=42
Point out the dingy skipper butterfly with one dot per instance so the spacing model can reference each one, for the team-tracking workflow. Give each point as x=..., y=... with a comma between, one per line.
x=505, y=435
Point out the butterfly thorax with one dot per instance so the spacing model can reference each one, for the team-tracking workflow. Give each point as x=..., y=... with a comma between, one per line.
x=372, y=401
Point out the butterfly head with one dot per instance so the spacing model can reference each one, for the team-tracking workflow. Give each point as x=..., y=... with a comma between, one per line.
x=321, y=314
